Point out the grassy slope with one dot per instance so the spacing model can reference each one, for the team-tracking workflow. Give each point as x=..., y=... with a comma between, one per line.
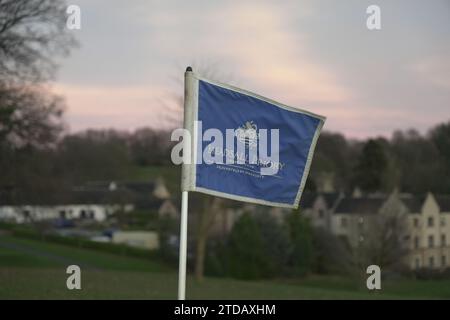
x=55, y=255
x=36, y=270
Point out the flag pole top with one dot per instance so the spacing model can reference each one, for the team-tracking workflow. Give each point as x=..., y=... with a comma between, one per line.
x=189, y=69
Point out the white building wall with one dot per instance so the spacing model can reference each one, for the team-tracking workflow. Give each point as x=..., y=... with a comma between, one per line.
x=22, y=214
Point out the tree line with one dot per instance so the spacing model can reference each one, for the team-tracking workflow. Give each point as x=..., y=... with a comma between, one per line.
x=409, y=161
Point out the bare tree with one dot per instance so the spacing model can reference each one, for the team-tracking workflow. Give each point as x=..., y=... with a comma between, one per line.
x=384, y=242
x=209, y=70
x=32, y=32
x=205, y=218
x=29, y=116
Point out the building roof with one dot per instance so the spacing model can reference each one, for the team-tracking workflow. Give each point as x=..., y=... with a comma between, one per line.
x=443, y=202
x=93, y=192
x=413, y=202
x=139, y=187
x=99, y=197
x=331, y=198
x=360, y=205
x=150, y=203
x=307, y=200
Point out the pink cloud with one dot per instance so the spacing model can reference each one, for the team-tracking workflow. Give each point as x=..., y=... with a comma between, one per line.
x=119, y=107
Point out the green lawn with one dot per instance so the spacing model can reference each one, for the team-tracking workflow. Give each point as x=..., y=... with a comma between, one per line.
x=31, y=253
x=36, y=270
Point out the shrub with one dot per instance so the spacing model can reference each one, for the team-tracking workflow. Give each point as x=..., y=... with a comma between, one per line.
x=301, y=251
x=245, y=257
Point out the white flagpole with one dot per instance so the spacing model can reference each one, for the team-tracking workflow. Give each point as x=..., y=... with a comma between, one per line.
x=188, y=94
x=183, y=246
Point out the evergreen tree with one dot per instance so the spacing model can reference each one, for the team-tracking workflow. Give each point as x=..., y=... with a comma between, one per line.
x=300, y=234
x=372, y=167
x=245, y=250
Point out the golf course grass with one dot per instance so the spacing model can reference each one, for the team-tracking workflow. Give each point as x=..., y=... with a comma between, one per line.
x=31, y=269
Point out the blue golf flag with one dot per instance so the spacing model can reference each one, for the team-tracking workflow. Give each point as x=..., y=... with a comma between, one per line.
x=247, y=147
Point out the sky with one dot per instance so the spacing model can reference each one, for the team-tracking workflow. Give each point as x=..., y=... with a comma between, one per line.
x=315, y=55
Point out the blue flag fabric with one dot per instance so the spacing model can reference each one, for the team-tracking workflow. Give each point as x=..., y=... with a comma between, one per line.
x=221, y=107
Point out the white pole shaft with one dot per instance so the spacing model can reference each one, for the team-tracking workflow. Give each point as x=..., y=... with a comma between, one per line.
x=185, y=181
x=183, y=247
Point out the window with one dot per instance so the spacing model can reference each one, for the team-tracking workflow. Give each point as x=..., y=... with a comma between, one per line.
x=416, y=222
x=417, y=263
x=443, y=261
x=344, y=222
x=431, y=262
x=430, y=221
x=442, y=221
x=443, y=240
x=430, y=241
x=416, y=243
